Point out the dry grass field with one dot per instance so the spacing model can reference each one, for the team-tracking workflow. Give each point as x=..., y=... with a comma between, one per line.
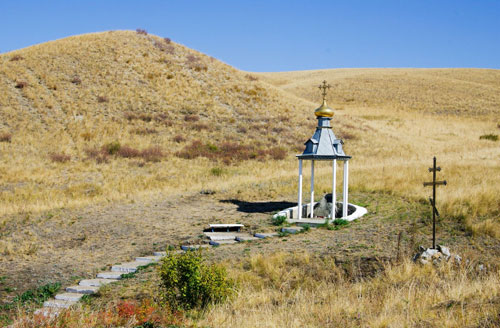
x=107, y=139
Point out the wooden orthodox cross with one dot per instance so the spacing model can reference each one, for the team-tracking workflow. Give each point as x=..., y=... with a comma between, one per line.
x=435, y=212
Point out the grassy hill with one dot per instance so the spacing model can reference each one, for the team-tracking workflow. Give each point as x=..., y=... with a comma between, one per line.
x=62, y=101
x=107, y=139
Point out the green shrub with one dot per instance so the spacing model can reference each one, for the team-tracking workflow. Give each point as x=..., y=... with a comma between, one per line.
x=188, y=283
x=278, y=220
x=492, y=137
x=340, y=222
x=112, y=148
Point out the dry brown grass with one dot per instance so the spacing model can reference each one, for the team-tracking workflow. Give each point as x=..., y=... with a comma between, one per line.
x=300, y=290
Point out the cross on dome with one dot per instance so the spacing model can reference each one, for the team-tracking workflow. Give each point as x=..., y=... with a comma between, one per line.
x=324, y=86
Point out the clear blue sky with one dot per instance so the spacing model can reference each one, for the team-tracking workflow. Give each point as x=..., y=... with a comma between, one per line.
x=281, y=35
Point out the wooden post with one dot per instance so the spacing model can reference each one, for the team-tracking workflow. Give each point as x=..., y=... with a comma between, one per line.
x=345, y=191
x=299, y=206
x=312, y=189
x=334, y=189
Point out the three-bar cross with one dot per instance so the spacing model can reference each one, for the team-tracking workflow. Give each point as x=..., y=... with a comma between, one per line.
x=324, y=86
x=435, y=212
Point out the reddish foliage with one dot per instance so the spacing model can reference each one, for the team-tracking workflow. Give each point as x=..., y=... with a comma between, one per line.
x=21, y=85
x=128, y=152
x=141, y=31
x=59, y=157
x=100, y=155
x=229, y=152
x=152, y=154
x=191, y=118
x=16, y=58
x=5, y=137
x=76, y=80
x=179, y=138
x=102, y=99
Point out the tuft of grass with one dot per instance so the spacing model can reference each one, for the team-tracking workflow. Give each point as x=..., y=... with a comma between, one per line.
x=216, y=171
x=278, y=220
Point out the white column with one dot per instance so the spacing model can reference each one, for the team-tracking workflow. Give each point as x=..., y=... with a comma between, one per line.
x=345, y=190
x=299, y=206
x=312, y=189
x=334, y=189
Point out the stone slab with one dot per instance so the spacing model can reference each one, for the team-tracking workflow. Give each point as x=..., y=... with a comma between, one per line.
x=127, y=267
x=246, y=238
x=263, y=235
x=292, y=230
x=58, y=304
x=68, y=297
x=160, y=253
x=192, y=247
x=226, y=225
x=110, y=275
x=82, y=289
x=148, y=259
x=48, y=311
x=96, y=282
x=222, y=242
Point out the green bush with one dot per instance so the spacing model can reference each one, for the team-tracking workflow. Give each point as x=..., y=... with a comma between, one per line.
x=278, y=220
x=188, y=283
x=492, y=137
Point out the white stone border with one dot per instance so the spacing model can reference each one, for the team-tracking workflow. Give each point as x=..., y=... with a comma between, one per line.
x=291, y=213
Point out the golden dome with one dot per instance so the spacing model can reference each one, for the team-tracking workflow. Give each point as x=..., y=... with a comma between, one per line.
x=324, y=110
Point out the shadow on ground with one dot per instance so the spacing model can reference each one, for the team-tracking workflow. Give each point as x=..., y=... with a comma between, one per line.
x=258, y=207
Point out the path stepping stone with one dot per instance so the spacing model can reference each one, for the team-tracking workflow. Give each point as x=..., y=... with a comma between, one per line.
x=222, y=242
x=48, y=311
x=246, y=238
x=82, y=289
x=160, y=253
x=292, y=229
x=96, y=282
x=263, y=235
x=58, y=304
x=72, y=297
x=192, y=247
x=127, y=267
x=148, y=259
x=109, y=275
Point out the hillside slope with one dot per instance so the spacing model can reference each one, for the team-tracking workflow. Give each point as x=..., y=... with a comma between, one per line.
x=62, y=101
x=469, y=92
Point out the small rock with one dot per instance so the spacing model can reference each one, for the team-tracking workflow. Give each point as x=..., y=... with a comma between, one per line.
x=444, y=250
x=457, y=258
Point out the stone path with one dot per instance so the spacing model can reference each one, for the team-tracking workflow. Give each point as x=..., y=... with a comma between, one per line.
x=73, y=294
